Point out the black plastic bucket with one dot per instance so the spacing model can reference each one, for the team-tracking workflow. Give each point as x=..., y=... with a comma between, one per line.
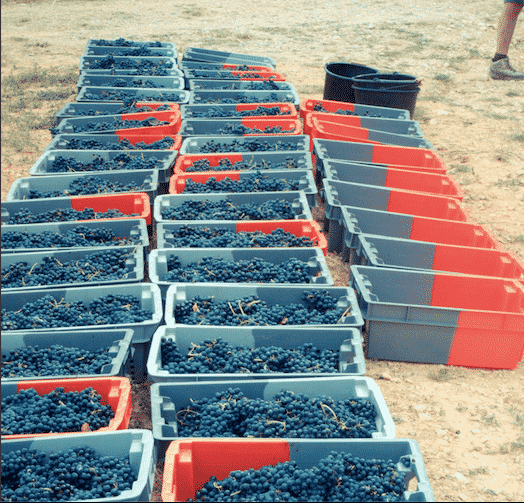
x=337, y=86
x=389, y=98
x=387, y=81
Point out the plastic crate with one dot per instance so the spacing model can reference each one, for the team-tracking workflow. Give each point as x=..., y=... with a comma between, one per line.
x=117, y=342
x=317, y=268
x=134, y=262
x=147, y=293
x=96, y=94
x=159, y=52
x=226, y=76
x=96, y=42
x=76, y=109
x=166, y=83
x=60, y=142
x=135, y=444
x=348, y=342
x=44, y=163
x=338, y=194
x=405, y=179
x=342, y=132
x=300, y=228
x=381, y=251
x=238, y=67
x=259, y=160
x=115, y=392
x=146, y=180
x=242, y=84
x=297, y=200
x=432, y=317
x=132, y=231
x=68, y=126
x=308, y=105
x=277, y=143
x=226, y=56
x=305, y=179
x=233, y=97
x=286, y=110
x=396, y=126
x=206, y=127
x=388, y=155
x=272, y=295
x=86, y=62
x=190, y=463
x=130, y=72
x=166, y=398
x=134, y=204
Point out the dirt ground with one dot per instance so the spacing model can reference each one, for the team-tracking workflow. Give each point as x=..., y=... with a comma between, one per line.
x=468, y=422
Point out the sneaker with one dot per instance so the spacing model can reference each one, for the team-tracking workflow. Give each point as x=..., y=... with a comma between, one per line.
x=502, y=70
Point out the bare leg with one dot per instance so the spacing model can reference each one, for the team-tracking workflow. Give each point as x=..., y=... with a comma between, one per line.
x=506, y=27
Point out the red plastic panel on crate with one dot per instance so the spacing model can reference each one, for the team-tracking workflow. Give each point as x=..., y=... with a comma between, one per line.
x=128, y=204
x=191, y=463
x=136, y=136
x=452, y=232
x=443, y=185
x=115, y=392
x=426, y=205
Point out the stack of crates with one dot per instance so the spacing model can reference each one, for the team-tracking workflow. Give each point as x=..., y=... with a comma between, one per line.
x=433, y=285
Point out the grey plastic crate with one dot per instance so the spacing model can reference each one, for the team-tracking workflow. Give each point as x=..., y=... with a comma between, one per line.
x=210, y=127
x=117, y=343
x=166, y=231
x=158, y=52
x=95, y=42
x=171, y=72
x=348, y=342
x=132, y=231
x=225, y=112
x=138, y=445
x=45, y=162
x=272, y=295
x=240, y=454
x=297, y=200
x=317, y=266
x=169, y=398
x=225, y=56
x=68, y=126
x=134, y=262
x=75, y=109
x=356, y=221
x=395, y=126
x=60, y=142
x=206, y=65
x=338, y=194
x=86, y=62
x=164, y=83
x=304, y=178
x=276, y=144
x=232, y=85
x=96, y=94
x=219, y=97
x=147, y=293
x=147, y=181
x=260, y=160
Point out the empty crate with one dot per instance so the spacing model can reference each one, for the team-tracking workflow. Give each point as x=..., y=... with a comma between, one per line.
x=432, y=317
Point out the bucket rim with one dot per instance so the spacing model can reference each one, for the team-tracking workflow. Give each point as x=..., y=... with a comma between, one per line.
x=374, y=77
x=356, y=65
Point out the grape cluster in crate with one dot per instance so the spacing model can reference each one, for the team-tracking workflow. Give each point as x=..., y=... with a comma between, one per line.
x=191, y=258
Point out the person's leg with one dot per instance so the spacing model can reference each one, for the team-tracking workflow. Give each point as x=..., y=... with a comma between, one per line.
x=500, y=68
x=506, y=27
